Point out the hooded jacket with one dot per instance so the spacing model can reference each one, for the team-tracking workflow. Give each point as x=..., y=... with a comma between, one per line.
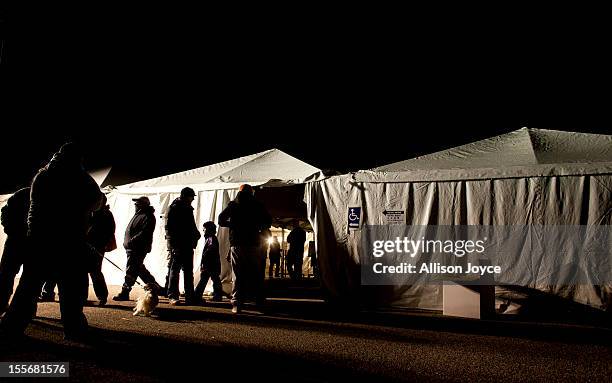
x=181, y=229
x=139, y=232
x=63, y=196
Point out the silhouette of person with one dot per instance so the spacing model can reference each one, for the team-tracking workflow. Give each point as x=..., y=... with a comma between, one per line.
x=101, y=237
x=295, y=255
x=246, y=218
x=210, y=266
x=137, y=243
x=275, y=257
x=312, y=253
x=182, y=235
x=62, y=198
x=14, y=219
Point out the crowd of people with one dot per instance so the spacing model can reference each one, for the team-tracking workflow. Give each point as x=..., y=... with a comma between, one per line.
x=60, y=240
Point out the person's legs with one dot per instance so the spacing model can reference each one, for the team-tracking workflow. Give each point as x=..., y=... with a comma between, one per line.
x=12, y=259
x=132, y=268
x=217, y=287
x=48, y=290
x=98, y=281
x=299, y=264
x=237, y=276
x=187, y=266
x=290, y=264
x=73, y=286
x=199, y=290
x=24, y=303
x=164, y=291
x=259, y=277
x=145, y=275
x=173, y=278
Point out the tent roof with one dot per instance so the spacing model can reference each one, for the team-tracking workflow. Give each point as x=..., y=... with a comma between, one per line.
x=522, y=153
x=271, y=167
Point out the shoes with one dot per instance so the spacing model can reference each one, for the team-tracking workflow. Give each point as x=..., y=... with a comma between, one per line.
x=236, y=310
x=124, y=295
x=173, y=302
x=102, y=302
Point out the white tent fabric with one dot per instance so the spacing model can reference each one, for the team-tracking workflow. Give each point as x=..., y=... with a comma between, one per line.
x=522, y=153
x=521, y=178
x=215, y=185
x=272, y=167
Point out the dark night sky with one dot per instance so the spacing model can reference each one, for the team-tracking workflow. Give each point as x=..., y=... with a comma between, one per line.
x=153, y=92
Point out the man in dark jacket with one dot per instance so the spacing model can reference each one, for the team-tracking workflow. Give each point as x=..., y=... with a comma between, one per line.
x=101, y=237
x=62, y=198
x=210, y=266
x=275, y=256
x=14, y=218
x=295, y=255
x=246, y=219
x=182, y=235
x=137, y=243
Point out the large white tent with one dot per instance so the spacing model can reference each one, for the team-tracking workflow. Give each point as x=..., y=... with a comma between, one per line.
x=525, y=177
x=215, y=185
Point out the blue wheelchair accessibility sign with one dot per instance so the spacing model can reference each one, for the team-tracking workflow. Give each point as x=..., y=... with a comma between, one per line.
x=354, y=217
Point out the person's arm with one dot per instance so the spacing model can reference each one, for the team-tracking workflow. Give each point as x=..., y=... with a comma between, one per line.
x=226, y=214
x=170, y=223
x=196, y=233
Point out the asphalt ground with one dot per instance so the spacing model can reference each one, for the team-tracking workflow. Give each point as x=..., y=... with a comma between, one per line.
x=306, y=340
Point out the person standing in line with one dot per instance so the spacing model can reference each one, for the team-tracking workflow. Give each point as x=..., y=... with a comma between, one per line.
x=296, y=240
x=275, y=257
x=101, y=236
x=62, y=198
x=182, y=235
x=246, y=218
x=210, y=267
x=137, y=243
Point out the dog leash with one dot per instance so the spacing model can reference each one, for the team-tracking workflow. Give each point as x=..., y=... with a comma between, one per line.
x=114, y=264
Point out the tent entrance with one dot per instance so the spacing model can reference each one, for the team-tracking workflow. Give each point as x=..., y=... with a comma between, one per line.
x=287, y=207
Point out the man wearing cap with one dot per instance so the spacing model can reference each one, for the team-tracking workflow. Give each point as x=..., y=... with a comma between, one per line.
x=246, y=218
x=182, y=235
x=137, y=244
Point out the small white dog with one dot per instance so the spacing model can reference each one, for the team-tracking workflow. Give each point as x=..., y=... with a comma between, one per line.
x=147, y=302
